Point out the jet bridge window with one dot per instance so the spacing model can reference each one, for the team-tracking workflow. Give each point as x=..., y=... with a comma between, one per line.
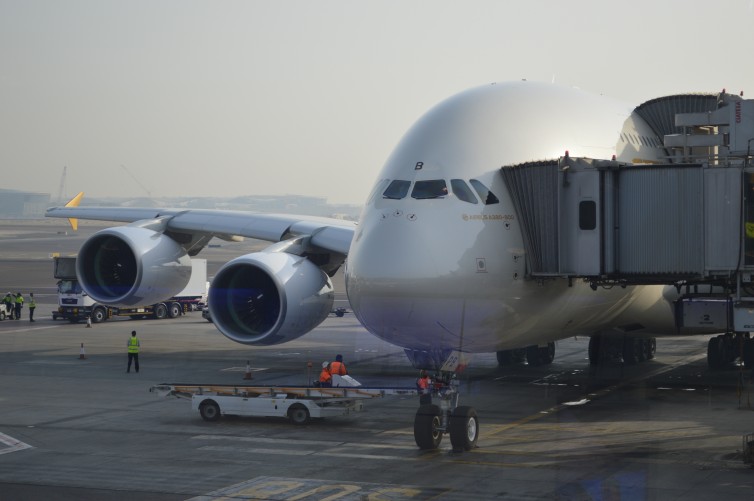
x=462, y=191
x=488, y=198
x=435, y=188
x=397, y=190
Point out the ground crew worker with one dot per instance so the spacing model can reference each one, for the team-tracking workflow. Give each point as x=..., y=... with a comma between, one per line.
x=338, y=367
x=9, y=306
x=133, y=351
x=32, y=305
x=325, y=377
x=424, y=385
x=19, y=305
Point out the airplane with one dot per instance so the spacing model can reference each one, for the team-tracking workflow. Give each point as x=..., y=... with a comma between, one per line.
x=437, y=262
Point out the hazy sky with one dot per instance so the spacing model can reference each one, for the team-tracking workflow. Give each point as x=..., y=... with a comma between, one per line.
x=225, y=98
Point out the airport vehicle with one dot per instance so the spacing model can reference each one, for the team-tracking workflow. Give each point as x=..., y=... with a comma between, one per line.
x=74, y=304
x=5, y=312
x=468, y=244
x=302, y=403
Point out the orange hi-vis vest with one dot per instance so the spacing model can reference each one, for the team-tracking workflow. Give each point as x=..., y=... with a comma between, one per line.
x=338, y=368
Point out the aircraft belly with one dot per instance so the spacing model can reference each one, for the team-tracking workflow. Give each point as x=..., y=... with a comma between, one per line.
x=524, y=314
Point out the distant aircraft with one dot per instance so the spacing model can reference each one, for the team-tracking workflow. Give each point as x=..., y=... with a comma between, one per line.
x=437, y=262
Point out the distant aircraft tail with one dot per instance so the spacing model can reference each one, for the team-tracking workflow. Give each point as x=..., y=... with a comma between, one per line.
x=74, y=202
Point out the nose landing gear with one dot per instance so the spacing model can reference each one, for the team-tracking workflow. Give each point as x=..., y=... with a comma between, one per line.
x=432, y=421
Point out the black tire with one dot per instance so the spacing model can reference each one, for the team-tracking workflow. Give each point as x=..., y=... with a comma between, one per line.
x=160, y=311
x=98, y=315
x=427, y=424
x=715, y=353
x=299, y=414
x=505, y=358
x=595, y=346
x=175, y=310
x=463, y=428
x=532, y=356
x=547, y=354
x=2, y=316
x=209, y=410
x=630, y=355
x=747, y=354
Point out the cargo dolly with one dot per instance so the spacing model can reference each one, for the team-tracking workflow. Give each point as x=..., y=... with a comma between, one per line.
x=302, y=403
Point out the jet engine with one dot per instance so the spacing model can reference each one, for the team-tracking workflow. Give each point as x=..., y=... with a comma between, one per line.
x=132, y=266
x=267, y=298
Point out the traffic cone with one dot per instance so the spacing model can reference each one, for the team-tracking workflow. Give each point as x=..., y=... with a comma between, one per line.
x=88, y=321
x=247, y=374
x=82, y=353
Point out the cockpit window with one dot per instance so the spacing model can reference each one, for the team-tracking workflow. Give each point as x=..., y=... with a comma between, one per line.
x=462, y=191
x=378, y=188
x=436, y=188
x=397, y=189
x=488, y=198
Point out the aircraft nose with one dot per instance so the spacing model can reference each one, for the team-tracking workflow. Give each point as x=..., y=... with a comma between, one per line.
x=392, y=257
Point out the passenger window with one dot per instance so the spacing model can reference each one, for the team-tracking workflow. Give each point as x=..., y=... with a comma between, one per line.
x=487, y=197
x=397, y=190
x=462, y=191
x=435, y=188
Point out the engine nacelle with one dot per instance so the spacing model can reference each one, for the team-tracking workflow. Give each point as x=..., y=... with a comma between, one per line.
x=268, y=298
x=132, y=266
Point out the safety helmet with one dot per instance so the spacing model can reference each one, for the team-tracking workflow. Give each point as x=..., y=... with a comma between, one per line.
x=325, y=364
x=422, y=373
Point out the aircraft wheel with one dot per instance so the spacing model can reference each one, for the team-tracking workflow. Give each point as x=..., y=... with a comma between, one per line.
x=595, y=343
x=174, y=310
x=160, y=311
x=715, y=355
x=299, y=414
x=630, y=351
x=532, y=356
x=748, y=354
x=209, y=410
x=463, y=428
x=642, y=349
x=427, y=425
x=547, y=354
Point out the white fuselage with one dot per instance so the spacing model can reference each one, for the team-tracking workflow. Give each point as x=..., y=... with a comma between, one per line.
x=428, y=270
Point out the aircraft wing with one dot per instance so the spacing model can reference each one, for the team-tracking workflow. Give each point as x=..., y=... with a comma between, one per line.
x=327, y=233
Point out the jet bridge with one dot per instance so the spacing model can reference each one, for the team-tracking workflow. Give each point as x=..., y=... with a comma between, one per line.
x=688, y=222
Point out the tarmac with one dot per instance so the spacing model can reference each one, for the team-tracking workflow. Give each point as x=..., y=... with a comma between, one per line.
x=74, y=427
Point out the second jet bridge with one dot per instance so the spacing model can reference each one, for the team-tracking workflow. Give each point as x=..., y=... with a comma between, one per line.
x=610, y=222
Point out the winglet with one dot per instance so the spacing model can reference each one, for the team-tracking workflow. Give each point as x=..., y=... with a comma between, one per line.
x=74, y=202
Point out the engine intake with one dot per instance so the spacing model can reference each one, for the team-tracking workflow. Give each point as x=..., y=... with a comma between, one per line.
x=132, y=266
x=268, y=298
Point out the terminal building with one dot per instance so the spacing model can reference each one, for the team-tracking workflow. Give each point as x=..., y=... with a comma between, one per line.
x=23, y=204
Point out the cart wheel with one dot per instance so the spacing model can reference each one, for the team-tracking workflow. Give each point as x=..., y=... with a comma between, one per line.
x=209, y=410
x=464, y=428
x=427, y=424
x=299, y=414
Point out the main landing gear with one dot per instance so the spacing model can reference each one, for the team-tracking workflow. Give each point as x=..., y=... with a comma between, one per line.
x=534, y=355
x=433, y=420
x=630, y=349
x=725, y=349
